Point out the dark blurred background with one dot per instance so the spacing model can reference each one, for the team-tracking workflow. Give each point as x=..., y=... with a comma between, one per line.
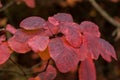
x=81, y=10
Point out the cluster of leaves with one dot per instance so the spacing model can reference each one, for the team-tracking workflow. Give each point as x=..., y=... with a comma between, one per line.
x=59, y=39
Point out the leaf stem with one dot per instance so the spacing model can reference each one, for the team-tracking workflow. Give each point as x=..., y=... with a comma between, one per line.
x=5, y=70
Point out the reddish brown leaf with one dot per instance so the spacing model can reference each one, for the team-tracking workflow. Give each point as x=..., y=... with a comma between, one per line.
x=30, y=3
x=32, y=23
x=63, y=17
x=5, y=52
x=89, y=28
x=38, y=43
x=87, y=70
x=1, y=5
x=10, y=28
x=44, y=55
x=72, y=33
x=63, y=55
x=49, y=74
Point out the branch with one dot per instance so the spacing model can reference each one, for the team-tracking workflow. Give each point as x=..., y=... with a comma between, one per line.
x=24, y=73
x=104, y=13
x=15, y=72
x=7, y=5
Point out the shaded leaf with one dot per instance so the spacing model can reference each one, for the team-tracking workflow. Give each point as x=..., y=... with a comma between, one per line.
x=32, y=23
x=2, y=38
x=87, y=70
x=38, y=43
x=63, y=55
x=44, y=55
x=30, y=3
x=49, y=74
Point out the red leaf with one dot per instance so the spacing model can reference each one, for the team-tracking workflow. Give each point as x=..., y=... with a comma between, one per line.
x=72, y=33
x=106, y=50
x=92, y=46
x=50, y=29
x=30, y=3
x=19, y=42
x=1, y=5
x=49, y=74
x=5, y=52
x=10, y=28
x=53, y=21
x=38, y=43
x=32, y=23
x=17, y=46
x=82, y=52
x=89, y=28
x=87, y=70
x=63, y=17
x=63, y=55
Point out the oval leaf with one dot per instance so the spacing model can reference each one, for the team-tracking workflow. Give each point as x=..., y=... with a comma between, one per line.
x=63, y=17
x=63, y=55
x=90, y=28
x=87, y=70
x=32, y=23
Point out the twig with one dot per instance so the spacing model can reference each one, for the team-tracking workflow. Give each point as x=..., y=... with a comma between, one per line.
x=7, y=5
x=5, y=70
x=19, y=68
x=104, y=13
